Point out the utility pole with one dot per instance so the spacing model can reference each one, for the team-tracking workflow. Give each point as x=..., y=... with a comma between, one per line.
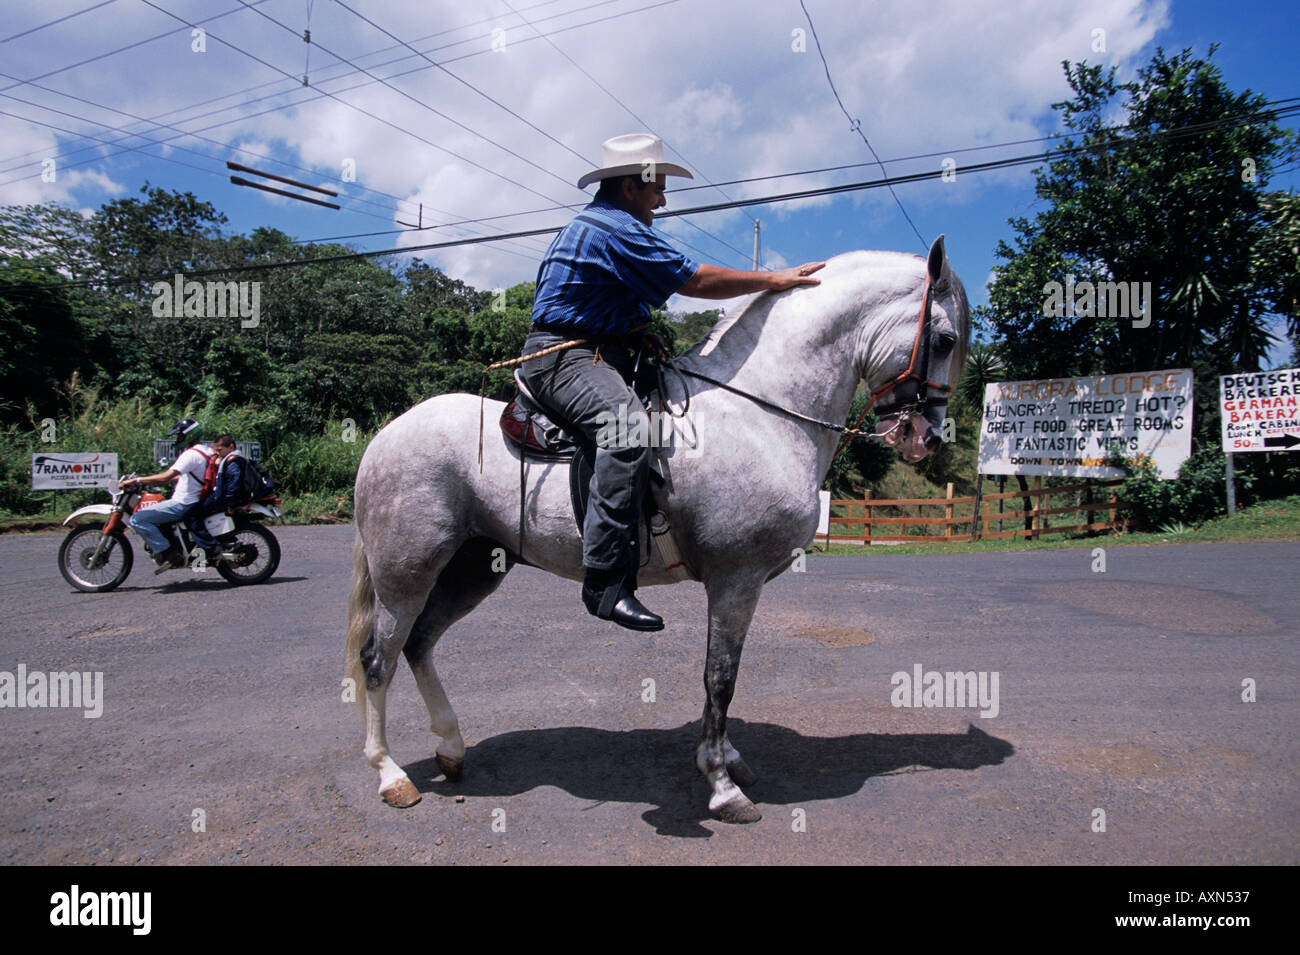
x=755, y=245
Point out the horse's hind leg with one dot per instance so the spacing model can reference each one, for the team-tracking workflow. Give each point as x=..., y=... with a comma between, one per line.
x=474, y=572
x=379, y=660
x=731, y=607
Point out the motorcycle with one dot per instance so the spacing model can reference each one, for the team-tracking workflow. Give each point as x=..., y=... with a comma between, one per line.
x=97, y=557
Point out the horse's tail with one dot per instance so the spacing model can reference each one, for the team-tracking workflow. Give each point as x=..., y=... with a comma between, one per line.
x=361, y=619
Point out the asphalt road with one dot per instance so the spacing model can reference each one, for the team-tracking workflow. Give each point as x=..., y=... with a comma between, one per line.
x=1118, y=691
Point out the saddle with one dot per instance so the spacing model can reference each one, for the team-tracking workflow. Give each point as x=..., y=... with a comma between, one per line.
x=538, y=438
x=527, y=426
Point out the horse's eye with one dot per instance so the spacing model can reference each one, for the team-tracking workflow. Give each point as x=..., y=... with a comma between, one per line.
x=944, y=342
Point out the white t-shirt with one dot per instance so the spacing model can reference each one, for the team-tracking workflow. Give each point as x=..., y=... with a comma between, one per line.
x=191, y=466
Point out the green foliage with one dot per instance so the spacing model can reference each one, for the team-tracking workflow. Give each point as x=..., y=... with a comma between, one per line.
x=1195, y=496
x=1138, y=206
x=41, y=341
x=693, y=326
x=864, y=461
x=984, y=365
x=352, y=375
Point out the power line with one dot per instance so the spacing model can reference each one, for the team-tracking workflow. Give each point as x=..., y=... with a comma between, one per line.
x=356, y=68
x=150, y=142
x=323, y=93
x=495, y=102
x=1049, y=157
x=551, y=230
x=1195, y=127
x=123, y=49
x=419, y=102
x=296, y=85
x=855, y=125
x=463, y=82
x=70, y=16
x=1265, y=114
x=625, y=107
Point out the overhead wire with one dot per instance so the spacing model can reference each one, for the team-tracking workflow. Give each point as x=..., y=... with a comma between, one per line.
x=346, y=72
x=123, y=49
x=1264, y=115
x=931, y=174
x=855, y=125
x=626, y=108
x=63, y=19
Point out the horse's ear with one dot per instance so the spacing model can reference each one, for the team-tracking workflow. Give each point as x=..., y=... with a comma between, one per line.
x=935, y=264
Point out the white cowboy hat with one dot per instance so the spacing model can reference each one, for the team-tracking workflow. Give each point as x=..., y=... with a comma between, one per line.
x=629, y=154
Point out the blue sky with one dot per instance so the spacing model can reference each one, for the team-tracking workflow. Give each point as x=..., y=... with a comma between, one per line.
x=507, y=121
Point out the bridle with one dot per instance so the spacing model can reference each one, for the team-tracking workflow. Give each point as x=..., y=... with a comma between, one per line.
x=914, y=372
x=919, y=373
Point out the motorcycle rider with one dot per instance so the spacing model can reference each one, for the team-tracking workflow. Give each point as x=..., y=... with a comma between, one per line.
x=225, y=494
x=189, y=470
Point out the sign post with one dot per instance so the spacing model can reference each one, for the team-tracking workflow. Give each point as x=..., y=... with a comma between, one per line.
x=1232, y=485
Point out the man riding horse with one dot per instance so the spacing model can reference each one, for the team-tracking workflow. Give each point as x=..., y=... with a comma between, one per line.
x=600, y=279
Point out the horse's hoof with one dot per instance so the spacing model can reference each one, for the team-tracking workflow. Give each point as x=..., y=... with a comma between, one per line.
x=401, y=795
x=451, y=768
x=737, y=812
x=740, y=773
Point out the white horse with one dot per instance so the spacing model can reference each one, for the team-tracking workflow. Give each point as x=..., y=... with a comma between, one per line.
x=435, y=533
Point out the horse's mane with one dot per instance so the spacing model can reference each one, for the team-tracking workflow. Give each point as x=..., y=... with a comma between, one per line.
x=748, y=309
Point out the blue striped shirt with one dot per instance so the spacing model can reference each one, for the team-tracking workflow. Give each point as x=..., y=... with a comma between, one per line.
x=605, y=271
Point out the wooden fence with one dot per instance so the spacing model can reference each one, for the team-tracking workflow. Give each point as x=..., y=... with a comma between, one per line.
x=975, y=518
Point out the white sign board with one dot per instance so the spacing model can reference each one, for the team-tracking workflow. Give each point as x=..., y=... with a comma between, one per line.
x=1261, y=410
x=1067, y=427
x=59, y=471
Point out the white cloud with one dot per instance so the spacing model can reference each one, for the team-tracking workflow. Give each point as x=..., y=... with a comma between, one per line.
x=721, y=84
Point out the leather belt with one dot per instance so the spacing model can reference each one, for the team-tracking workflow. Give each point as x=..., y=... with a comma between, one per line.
x=569, y=331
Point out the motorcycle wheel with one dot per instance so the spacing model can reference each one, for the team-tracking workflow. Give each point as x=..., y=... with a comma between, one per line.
x=78, y=548
x=257, y=555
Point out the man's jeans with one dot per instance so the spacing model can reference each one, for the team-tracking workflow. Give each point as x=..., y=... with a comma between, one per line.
x=146, y=522
x=585, y=388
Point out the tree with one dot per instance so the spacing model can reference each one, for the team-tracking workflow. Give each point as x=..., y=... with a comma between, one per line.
x=693, y=326
x=429, y=289
x=53, y=238
x=41, y=342
x=1173, y=198
x=1277, y=261
x=135, y=241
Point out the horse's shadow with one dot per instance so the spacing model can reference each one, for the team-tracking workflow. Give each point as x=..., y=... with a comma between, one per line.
x=655, y=765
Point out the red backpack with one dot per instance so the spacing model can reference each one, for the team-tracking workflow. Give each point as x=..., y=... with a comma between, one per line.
x=209, y=473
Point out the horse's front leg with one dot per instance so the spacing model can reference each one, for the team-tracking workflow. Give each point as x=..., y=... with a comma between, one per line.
x=731, y=607
x=737, y=768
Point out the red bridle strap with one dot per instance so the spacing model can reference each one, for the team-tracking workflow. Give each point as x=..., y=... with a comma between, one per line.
x=907, y=375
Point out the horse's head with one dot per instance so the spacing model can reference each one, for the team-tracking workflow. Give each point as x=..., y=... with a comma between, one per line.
x=910, y=353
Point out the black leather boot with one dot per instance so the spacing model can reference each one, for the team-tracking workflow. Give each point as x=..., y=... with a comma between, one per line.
x=173, y=558
x=608, y=596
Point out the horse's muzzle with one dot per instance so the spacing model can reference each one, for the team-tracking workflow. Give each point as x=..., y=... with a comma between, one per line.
x=911, y=434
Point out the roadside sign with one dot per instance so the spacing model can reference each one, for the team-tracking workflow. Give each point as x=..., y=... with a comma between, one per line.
x=1260, y=410
x=60, y=471
x=1067, y=427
